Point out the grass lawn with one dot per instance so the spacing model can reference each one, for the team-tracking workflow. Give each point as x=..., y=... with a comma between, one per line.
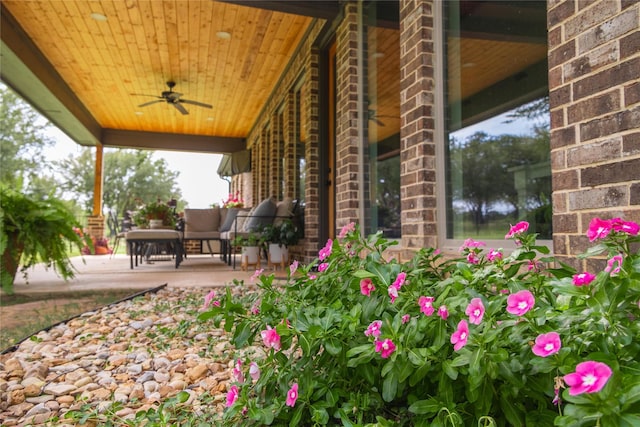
x=22, y=315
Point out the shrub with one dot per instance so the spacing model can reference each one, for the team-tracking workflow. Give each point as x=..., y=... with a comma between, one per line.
x=486, y=339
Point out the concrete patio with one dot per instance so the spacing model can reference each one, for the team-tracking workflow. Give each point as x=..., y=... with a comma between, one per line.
x=106, y=272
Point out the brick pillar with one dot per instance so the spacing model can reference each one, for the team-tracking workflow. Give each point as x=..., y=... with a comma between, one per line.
x=347, y=138
x=417, y=146
x=594, y=97
x=95, y=226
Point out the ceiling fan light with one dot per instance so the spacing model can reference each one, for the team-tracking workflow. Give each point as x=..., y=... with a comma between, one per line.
x=223, y=35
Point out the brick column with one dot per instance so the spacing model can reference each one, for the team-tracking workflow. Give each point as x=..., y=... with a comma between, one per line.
x=347, y=138
x=417, y=146
x=95, y=226
x=594, y=96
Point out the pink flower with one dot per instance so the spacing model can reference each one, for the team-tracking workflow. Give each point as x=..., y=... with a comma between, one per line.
x=583, y=278
x=475, y=311
x=614, y=265
x=385, y=348
x=494, y=255
x=254, y=371
x=460, y=336
x=400, y=280
x=326, y=251
x=237, y=371
x=520, y=302
x=535, y=265
x=312, y=276
x=255, y=308
x=374, y=329
x=366, y=286
x=271, y=338
x=589, y=377
x=232, y=395
x=257, y=274
x=393, y=293
x=547, y=344
x=426, y=305
x=406, y=318
x=207, y=299
x=293, y=267
x=292, y=395
x=443, y=312
x=598, y=229
x=346, y=230
x=322, y=267
x=519, y=228
x=628, y=227
x=470, y=243
x=472, y=258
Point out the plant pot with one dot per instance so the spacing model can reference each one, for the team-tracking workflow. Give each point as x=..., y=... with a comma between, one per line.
x=155, y=223
x=278, y=255
x=250, y=256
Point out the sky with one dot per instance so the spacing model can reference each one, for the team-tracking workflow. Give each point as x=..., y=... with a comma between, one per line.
x=198, y=178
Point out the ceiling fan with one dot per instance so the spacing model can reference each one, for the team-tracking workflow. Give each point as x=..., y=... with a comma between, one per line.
x=173, y=98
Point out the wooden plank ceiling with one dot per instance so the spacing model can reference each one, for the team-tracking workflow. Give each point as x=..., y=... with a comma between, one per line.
x=115, y=55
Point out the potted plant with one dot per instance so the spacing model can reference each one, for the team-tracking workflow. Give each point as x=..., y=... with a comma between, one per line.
x=35, y=231
x=250, y=245
x=279, y=237
x=155, y=215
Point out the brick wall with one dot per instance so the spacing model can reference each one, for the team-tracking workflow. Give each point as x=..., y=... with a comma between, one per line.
x=594, y=90
x=417, y=155
x=304, y=65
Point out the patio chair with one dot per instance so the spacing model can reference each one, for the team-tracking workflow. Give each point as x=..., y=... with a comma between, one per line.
x=202, y=225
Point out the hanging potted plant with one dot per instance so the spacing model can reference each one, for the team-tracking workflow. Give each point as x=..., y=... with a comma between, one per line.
x=35, y=231
x=279, y=237
x=250, y=245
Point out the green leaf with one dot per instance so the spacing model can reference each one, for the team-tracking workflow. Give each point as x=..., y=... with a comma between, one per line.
x=297, y=416
x=363, y=274
x=425, y=407
x=512, y=412
x=242, y=334
x=304, y=345
x=333, y=346
x=389, y=388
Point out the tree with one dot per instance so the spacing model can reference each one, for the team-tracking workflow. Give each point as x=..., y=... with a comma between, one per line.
x=22, y=138
x=131, y=177
x=481, y=163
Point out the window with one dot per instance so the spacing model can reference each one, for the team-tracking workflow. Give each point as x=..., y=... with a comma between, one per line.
x=382, y=38
x=497, y=121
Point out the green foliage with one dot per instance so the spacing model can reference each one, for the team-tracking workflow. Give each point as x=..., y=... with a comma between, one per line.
x=250, y=239
x=35, y=231
x=22, y=138
x=154, y=210
x=131, y=177
x=284, y=234
x=313, y=327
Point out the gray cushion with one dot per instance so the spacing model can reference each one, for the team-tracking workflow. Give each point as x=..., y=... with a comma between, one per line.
x=228, y=221
x=284, y=210
x=199, y=220
x=262, y=215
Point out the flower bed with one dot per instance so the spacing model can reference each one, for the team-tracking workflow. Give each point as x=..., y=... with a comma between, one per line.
x=487, y=339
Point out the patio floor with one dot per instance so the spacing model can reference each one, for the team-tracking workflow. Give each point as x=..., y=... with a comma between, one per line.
x=105, y=272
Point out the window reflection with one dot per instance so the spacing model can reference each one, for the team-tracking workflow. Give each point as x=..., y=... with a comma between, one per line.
x=497, y=166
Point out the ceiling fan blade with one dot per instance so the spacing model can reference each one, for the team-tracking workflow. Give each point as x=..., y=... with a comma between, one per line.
x=199, y=104
x=378, y=122
x=151, y=102
x=179, y=107
x=144, y=94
